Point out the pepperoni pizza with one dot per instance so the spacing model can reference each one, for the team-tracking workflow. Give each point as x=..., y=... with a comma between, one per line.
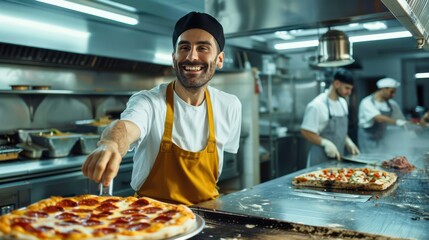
x=97, y=217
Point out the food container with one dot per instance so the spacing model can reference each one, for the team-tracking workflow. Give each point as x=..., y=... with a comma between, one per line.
x=40, y=87
x=31, y=150
x=87, y=143
x=20, y=87
x=58, y=144
x=92, y=125
x=9, y=152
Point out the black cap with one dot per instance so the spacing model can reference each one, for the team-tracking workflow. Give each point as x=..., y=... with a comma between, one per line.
x=202, y=21
x=344, y=76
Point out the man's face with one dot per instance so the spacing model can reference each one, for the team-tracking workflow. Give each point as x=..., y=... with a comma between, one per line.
x=343, y=89
x=196, y=58
x=388, y=93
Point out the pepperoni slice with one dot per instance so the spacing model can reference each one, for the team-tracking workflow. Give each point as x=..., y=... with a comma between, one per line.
x=101, y=215
x=91, y=222
x=67, y=215
x=104, y=231
x=138, y=226
x=67, y=203
x=162, y=219
x=140, y=203
x=88, y=202
x=110, y=200
x=130, y=211
x=120, y=223
x=106, y=207
x=53, y=209
x=170, y=213
x=36, y=214
x=67, y=223
x=136, y=217
x=81, y=210
x=150, y=210
x=24, y=225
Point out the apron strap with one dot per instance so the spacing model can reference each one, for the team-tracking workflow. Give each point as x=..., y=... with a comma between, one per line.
x=169, y=118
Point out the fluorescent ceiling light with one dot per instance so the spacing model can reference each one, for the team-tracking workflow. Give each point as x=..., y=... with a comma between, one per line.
x=422, y=75
x=380, y=36
x=353, y=39
x=118, y=5
x=374, y=25
x=47, y=28
x=294, y=45
x=84, y=7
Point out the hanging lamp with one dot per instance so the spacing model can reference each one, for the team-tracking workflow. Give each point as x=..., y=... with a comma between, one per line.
x=335, y=49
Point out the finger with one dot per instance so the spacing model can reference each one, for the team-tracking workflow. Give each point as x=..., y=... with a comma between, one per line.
x=101, y=165
x=85, y=165
x=91, y=165
x=112, y=169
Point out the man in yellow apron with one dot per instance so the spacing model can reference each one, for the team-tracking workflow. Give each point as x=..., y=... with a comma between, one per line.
x=179, y=130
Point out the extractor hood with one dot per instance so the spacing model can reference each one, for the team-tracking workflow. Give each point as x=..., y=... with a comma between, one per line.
x=413, y=14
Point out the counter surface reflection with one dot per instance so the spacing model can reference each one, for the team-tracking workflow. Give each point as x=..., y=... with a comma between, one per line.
x=401, y=211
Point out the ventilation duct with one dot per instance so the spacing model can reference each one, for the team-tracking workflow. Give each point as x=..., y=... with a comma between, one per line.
x=413, y=15
x=335, y=49
x=12, y=53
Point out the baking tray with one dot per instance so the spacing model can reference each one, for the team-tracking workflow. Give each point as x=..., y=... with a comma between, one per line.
x=226, y=225
x=198, y=227
x=369, y=158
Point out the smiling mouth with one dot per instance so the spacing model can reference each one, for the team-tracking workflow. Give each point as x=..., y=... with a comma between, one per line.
x=193, y=68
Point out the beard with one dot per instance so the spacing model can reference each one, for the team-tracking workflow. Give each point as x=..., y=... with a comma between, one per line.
x=194, y=81
x=340, y=94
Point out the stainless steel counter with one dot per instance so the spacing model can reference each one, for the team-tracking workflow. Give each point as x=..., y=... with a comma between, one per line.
x=23, y=168
x=401, y=211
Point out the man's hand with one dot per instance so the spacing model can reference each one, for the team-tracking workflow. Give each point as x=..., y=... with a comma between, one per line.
x=351, y=147
x=400, y=122
x=330, y=149
x=102, y=165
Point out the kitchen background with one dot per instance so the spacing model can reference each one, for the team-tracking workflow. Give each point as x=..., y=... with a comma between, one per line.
x=92, y=65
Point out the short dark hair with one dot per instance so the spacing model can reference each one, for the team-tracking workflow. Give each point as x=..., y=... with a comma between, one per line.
x=343, y=75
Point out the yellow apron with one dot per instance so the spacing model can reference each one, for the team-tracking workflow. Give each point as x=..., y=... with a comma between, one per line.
x=178, y=175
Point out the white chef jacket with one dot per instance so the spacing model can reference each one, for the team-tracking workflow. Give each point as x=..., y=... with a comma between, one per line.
x=369, y=108
x=316, y=114
x=147, y=109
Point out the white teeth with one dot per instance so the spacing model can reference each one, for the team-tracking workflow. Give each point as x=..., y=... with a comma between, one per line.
x=193, y=68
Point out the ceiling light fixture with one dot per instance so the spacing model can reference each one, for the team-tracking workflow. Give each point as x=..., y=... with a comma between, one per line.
x=95, y=9
x=353, y=39
x=335, y=49
x=422, y=75
x=294, y=45
x=45, y=28
x=380, y=36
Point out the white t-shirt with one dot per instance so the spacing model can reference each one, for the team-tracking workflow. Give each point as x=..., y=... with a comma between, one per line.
x=147, y=109
x=316, y=114
x=369, y=108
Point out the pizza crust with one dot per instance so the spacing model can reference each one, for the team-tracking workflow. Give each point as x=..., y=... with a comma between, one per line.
x=181, y=221
x=313, y=179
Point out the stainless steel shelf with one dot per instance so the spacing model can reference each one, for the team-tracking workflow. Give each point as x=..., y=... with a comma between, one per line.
x=67, y=92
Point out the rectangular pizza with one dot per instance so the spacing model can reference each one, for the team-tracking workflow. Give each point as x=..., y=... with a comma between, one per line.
x=347, y=178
